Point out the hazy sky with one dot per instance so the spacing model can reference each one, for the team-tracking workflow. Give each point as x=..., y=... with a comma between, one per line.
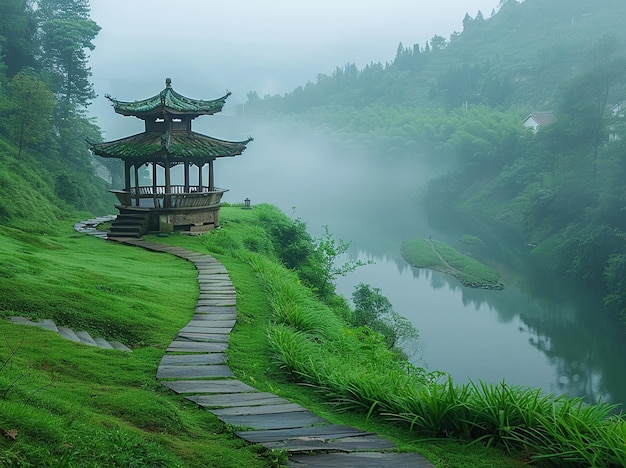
x=270, y=46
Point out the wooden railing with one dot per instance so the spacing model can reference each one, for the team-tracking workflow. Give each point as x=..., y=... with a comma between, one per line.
x=146, y=197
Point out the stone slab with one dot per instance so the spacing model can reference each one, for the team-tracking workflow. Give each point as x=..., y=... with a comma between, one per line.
x=85, y=338
x=214, y=323
x=193, y=372
x=102, y=343
x=207, y=386
x=192, y=346
x=269, y=410
x=215, y=316
x=326, y=432
x=120, y=346
x=203, y=337
x=273, y=421
x=68, y=334
x=217, y=310
x=192, y=359
x=206, y=329
x=350, y=444
x=239, y=399
x=216, y=302
x=360, y=460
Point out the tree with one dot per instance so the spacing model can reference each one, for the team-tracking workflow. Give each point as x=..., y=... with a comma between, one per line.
x=18, y=28
x=584, y=98
x=372, y=309
x=327, y=251
x=467, y=21
x=66, y=33
x=438, y=42
x=29, y=110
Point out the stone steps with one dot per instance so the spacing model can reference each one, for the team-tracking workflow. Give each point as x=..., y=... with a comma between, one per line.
x=79, y=336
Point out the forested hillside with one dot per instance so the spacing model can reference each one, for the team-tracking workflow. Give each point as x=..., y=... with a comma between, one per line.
x=460, y=102
x=46, y=168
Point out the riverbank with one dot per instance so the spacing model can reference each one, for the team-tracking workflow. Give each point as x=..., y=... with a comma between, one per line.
x=436, y=255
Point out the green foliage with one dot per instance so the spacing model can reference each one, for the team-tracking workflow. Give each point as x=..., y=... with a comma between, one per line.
x=28, y=111
x=471, y=239
x=17, y=35
x=66, y=33
x=374, y=310
x=325, y=269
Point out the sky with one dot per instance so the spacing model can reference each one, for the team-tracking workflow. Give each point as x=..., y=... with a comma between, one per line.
x=208, y=47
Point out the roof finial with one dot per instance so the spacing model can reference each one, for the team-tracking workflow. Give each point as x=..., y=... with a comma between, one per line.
x=168, y=82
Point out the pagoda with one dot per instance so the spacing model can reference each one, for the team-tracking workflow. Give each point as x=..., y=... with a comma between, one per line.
x=168, y=141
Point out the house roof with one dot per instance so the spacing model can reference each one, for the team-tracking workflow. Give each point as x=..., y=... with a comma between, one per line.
x=541, y=118
x=168, y=101
x=175, y=147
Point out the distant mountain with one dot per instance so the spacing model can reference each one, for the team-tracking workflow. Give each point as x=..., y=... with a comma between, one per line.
x=517, y=57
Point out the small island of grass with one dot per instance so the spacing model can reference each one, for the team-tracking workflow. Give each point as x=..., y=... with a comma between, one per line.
x=427, y=253
x=471, y=239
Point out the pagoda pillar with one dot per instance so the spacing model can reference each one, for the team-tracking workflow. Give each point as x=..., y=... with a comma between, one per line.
x=186, y=177
x=200, y=177
x=211, y=177
x=127, y=166
x=136, y=184
x=154, y=183
x=168, y=185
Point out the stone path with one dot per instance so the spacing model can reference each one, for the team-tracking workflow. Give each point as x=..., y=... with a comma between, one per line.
x=195, y=366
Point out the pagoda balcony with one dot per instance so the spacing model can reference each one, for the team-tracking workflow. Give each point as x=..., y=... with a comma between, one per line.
x=179, y=197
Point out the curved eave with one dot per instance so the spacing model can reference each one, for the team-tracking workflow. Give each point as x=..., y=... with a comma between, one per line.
x=175, y=147
x=168, y=101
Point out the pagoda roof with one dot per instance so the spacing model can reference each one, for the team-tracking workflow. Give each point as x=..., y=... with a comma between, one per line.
x=168, y=101
x=176, y=146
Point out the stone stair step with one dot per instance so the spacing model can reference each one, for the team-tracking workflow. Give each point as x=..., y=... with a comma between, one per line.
x=47, y=324
x=86, y=338
x=102, y=343
x=120, y=346
x=22, y=321
x=68, y=334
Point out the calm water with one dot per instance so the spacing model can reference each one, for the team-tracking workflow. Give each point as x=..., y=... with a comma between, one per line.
x=540, y=331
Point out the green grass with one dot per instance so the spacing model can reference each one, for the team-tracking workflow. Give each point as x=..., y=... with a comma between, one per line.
x=66, y=404
x=471, y=239
x=422, y=253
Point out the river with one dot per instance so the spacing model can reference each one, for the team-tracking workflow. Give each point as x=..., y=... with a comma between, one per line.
x=540, y=331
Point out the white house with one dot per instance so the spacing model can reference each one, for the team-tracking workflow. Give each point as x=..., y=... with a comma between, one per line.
x=535, y=120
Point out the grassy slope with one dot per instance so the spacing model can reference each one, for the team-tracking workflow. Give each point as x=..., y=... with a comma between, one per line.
x=69, y=402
